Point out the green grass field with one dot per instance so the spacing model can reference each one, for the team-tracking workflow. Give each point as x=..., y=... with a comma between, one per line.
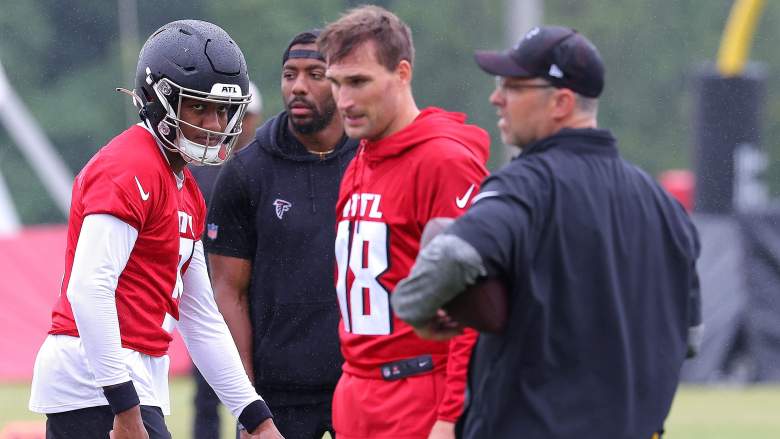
x=698, y=412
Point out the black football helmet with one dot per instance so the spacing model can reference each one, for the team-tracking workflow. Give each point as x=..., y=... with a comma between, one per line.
x=197, y=60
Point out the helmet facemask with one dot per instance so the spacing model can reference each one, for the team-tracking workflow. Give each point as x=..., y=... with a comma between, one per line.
x=218, y=144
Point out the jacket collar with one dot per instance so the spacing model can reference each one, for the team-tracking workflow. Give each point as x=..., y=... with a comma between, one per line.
x=578, y=140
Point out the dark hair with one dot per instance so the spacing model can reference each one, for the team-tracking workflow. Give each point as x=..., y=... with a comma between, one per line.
x=392, y=36
x=305, y=37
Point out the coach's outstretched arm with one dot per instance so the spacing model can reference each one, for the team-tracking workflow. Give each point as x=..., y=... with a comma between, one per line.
x=444, y=269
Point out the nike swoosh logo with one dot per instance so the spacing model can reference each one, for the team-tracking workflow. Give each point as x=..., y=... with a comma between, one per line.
x=461, y=201
x=144, y=195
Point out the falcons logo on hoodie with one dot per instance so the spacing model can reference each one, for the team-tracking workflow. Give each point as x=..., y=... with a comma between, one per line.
x=281, y=206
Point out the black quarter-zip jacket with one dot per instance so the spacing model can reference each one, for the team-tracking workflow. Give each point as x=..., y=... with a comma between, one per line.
x=599, y=262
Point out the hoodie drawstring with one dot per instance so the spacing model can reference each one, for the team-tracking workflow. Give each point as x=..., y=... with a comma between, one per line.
x=311, y=190
x=359, y=165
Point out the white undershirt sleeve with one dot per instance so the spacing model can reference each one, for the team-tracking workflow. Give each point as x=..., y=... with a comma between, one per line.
x=102, y=251
x=208, y=339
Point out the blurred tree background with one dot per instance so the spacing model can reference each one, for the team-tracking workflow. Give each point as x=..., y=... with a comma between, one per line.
x=64, y=60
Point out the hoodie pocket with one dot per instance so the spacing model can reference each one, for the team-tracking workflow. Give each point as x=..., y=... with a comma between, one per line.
x=300, y=349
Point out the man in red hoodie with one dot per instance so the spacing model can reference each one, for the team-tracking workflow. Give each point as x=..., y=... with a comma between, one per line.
x=413, y=168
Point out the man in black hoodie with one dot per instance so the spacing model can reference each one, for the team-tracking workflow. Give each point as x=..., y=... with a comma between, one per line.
x=270, y=237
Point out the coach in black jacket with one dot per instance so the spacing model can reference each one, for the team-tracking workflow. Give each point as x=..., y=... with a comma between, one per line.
x=270, y=237
x=598, y=261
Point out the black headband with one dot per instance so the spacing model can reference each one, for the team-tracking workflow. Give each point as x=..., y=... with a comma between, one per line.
x=311, y=54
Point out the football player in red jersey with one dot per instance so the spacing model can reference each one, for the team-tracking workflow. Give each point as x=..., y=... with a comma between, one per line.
x=134, y=260
x=413, y=168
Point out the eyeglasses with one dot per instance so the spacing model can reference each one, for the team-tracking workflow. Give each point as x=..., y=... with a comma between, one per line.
x=504, y=87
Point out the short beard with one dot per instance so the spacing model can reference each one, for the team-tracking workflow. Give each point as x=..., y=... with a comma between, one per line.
x=318, y=120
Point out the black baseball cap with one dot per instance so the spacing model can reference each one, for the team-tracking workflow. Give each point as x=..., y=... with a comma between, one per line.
x=560, y=55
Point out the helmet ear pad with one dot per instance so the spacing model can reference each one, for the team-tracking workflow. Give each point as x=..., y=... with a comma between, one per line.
x=155, y=113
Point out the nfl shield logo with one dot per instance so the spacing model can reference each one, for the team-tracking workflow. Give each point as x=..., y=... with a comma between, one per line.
x=212, y=230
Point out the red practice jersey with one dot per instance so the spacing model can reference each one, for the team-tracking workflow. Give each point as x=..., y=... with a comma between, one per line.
x=130, y=179
x=389, y=192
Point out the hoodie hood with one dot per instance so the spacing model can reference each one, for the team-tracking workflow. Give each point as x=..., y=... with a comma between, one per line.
x=431, y=123
x=275, y=138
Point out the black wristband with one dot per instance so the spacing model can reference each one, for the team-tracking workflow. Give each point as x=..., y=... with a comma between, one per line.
x=254, y=414
x=121, y=396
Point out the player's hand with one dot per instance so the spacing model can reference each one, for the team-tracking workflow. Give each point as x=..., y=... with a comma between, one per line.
x=266, y=430
x=441, y=327
x=129, y=425
x=442, y=430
